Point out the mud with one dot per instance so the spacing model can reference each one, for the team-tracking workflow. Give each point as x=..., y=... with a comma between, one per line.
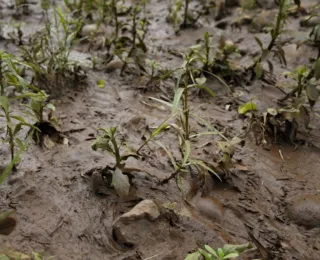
x=274, y=193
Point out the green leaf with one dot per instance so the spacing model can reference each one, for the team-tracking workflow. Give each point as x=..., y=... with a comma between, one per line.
x=231, y=255
x=258, y=70
x=8, y=169
x=101, y=143
x=62, y=20
x=193, y=256
x=237, y=248
x=201, y=81
x=120, y=182
x=259, y=42
x=211, y=250
x=317, y=69
x=186, y=152
x=206, y=89
x=50, y=106
x=249, y=106
x=101, y=83
x=312, y=92
x=6, y=214
x=205, y=254
x=4, y=102
x=176, y=99
x=17, y=129
x=220, y=253
x=204, y=166
x=169, y=154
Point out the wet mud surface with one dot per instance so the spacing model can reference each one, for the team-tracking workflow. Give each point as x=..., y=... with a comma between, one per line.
x=273, y=192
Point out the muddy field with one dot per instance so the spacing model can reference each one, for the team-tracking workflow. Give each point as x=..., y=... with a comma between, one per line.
x=270, y=197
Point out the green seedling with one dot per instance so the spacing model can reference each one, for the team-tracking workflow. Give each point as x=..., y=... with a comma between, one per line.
x=155, y=74
x=42, y=127
x=303, y=85
x=13, y=127
x=17, y=35
x=227, y=252
x=180, y=16
x=10, y=254
x=274, y=46
x=216, y=61
x=179, y=121
x=138, y=30
x=10, y=73
x=48, y=54
x=109, y=142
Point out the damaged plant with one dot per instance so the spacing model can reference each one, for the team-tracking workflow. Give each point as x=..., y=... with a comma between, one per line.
x=43, y=129
x=110, y=142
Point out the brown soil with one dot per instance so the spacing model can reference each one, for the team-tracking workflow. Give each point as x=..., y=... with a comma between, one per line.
x=277, y=199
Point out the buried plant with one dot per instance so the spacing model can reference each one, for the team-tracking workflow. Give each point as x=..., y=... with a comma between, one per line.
x=227, y=252
x=109, y=142
x=43, y=130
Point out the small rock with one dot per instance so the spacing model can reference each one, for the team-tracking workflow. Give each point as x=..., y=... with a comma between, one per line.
x=90, y=29
x=114, y=65
x=137, y=224
x=306, y=211
x=264, y=19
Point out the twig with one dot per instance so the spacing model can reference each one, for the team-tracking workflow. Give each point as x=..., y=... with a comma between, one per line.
x=60, y=223
x=173, y=175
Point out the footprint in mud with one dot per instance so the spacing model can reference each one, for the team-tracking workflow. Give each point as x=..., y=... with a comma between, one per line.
x=306, y=211
x=210, y=208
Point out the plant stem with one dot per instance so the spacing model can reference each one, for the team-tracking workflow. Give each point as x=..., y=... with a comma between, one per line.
x=186, y=112
x=115, y=14
x=1, y=79
x=134, y=36
x=186, y=7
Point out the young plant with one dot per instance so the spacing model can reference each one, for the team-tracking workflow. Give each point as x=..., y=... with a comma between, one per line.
x=179, y=121
x=138, y=30
x=109, y=142
x=216, y=61
x=227, y=252
x=155, y=74
x=42, y=127
x=303, y=85
x=180, y=16
x=48, y=54
x=274, y=46
x=13, y=127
